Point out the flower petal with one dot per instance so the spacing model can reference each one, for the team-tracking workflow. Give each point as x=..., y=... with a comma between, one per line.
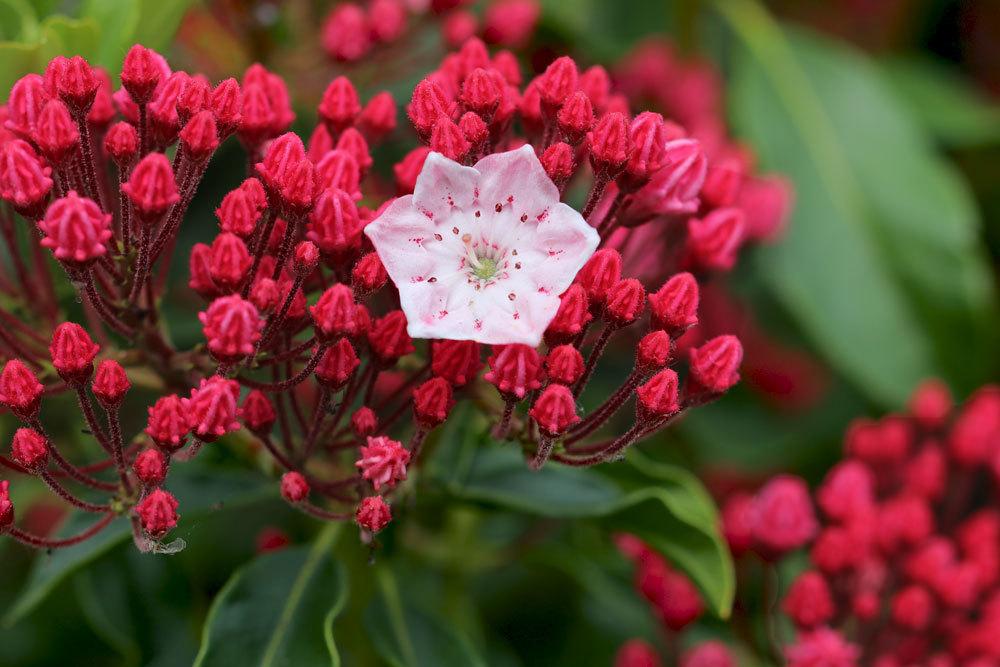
x=443, y=185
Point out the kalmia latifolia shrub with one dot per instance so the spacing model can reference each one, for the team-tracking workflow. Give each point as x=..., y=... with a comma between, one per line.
x=902, y=539
x=342, y=322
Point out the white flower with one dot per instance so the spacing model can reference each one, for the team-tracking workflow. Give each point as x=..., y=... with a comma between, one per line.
x=482, y=253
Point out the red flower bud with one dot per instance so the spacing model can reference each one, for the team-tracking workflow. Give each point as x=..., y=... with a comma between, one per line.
x=110, y=384
x=157, y=513
x=378, y=118
x=457, y=27
x=783, y=517
x=258, y=413
x=353, y=143
x=625, y=302
x=715, y=365
x=510, y=22
x=912, y=608
x=480, y=93
x=848, y=491
x=265, y=294
x=427, y=105
x=432, y=402
x=226, y=102
x=232, y=327
x=337, y=365
x=373, y=514
x=559, y=163
x=77, y=84
x=56, y=134
x=457, y=361
x=610, y=144
x=767, y=202
x=168, y=423
x=29, y=449
x=277, y=97
x=387, y=19
x=473, y=128
x=674, y=596
x=514, y=370
x=653, y=351
x=24, y=179
x=564, y=364
x=102, y=112
x=122, y=143
x=557, y=83
x=809, y=602
x=573, y=315
x=305, y=258
x=637, y=653
x=368, y=275
x=142, y=72
x=75, y=229
x=237, y=213
x=194, y=98
x=211, y=409
x=531, y=108
x=649, y=139
x=364, y=422
x=722, y=183
x=658, y=396
x=596, y=83
x=27, y=98
x=229, y=261
x=713, y=241
x=407, y=169
x=931, y=404
x=334, y=313
x=554, y=410
x=346, y=33
x=505, y=62
x=576, y=117
x=151, y=187
x=447, y=139
x=201, y=274
x=389, y=339
x=280, y=159
x=256, y=118
x=675, y=305
x=294, y=487
x=6, y=507
x=334, y=224
x=20, y=390
x=338, y=170
x=383, y=462
x=150, y=467
x=73, y=352
x=200, y=136
x=164, y=123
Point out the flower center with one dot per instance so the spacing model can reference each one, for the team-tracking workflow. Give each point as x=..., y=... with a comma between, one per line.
x=487, y=268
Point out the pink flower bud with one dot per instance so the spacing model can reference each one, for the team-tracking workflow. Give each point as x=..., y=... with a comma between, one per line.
x=625, y=302
x=510, y=22
x=168, y=423
x=151, y=187
x=447, y=139
x=75, y=229
x=610, y=144
x=294, y=487
x=427, y=105
x=337, y=365
x=229, y=261
x=122, y=143
x=24, y=179
x=164, y=123
x=783, y=517
x=457, y=361
x=675, y=305
x=457, y=27
x=653, y=351
x=671, y=593
x=559, y=163
x=554, y=410
x=808, y=601
x=931, y=404
x=345, y=33
x=431, y=402
x=299, y=191
x=387, y=19
x=564, y=364
x=142, y=72
x=596, y=83
x=383, y=462
x=637, y=653
x=150, y=467
x=407, y=169
x=238, y=214
x=389, y=339
x=338, y=170
x=211, y=409
x=200, y=136
x=658, y=396
x=649, y=138
x=576, y=117
x=73, y=352
x=305, y=258
x=722, y=183
x=232, y=326
x=258, y=413
x=280, y=159
x=573, y=315
x=334, y=224
x=20, y=390
x=157, y=513
x=364, y=422
x=373, y=514
x=737, y=523
x=56, y=134
x=514, y=370
x=713, y=241
x=912, y=608
x=6, y=507
x=378, y=118
x=480, y=93
x=767, y=203
x=29, y=449
x=110, y=384
x=847, y=491
x=199, y=267
x=27, y=98
x=368, y=275
x=473, y=128
x=265, y=294
x=558, y=82
x=102, y=112
x=531, y=108
x=334, y=313
x=194, y=98
x=715, y=365
x=256, y=116
x=226, y=102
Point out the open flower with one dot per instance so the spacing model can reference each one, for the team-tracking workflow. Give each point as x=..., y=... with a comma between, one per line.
x=482, y=253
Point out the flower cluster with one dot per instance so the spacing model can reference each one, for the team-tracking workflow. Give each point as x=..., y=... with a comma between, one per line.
x=904, y=550
x=333, y=327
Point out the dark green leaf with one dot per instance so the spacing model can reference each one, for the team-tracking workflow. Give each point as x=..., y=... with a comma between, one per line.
x=408, y=636
x=278, y=610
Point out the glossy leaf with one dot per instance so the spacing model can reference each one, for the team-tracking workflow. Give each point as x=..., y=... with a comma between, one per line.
x=277, y=610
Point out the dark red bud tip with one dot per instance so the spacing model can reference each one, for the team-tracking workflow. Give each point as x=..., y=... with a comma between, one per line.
x=610, y=144
x=658, y=396
x=564, y=364
x=625, y=302
x=555, y=410
x=559, y=162
x=20, y=390
x=258, y=413
x=29, y=449
x=294, y=487
x=653, y=351
x=447, y=138
x=157, y=513
x=110, y=384
x=73, y=352
x=571, y=317
x=364, y=422
x=373, y=514
x=514, y=370
x=337, y=365
x=675, y=305
x=715, y=365
x=368, y=275
x=150, y=467
x=142, y=71
x=558, y=82
x=431, y=402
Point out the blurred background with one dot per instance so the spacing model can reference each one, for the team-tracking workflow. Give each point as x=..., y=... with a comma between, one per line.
x=883, y=115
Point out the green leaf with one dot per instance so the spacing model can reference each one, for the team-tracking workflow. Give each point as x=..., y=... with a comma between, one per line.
x=948, y=106
x=199, y=490
x=118, y=21
x=159, y=20
x=409, y=636
x=875, y=209
x=665, y=505
x=64, y=36
x=15, y=61
x=278, y=609
x=18, y=21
